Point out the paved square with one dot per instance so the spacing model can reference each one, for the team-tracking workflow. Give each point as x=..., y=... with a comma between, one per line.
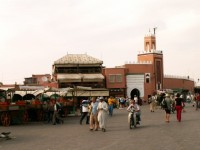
x=152, y=134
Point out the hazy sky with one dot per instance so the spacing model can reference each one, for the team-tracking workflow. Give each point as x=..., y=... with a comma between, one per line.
x=35, y=33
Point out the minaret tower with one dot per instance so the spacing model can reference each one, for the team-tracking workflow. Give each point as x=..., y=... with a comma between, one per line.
x=150, y=41
x=155, y=58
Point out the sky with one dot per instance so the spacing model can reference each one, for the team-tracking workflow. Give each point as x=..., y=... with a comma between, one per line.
x=35, y=33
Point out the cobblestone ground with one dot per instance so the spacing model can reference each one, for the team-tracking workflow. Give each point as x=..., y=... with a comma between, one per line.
x=153, y=133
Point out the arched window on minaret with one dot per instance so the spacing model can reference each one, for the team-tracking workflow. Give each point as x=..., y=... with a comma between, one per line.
x=147, y=46
x=150, y=43
x=153, y=46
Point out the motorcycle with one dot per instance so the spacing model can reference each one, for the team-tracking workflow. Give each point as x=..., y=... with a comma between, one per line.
x=133, y=119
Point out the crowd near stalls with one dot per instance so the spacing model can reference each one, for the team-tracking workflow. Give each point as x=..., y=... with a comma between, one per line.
x=36, y=103
x=29, y=103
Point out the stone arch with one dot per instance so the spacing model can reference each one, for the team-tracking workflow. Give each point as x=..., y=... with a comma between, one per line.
x=136, y=92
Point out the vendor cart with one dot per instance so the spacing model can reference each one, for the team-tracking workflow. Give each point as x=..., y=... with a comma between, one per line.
x=13, y=113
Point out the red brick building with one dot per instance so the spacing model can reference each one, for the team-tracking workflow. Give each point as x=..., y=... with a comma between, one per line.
x=141, y=78
x=144, y=77
x=41, y=80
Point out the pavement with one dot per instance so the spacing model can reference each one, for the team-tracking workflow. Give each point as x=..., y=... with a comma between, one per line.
x=153, y=133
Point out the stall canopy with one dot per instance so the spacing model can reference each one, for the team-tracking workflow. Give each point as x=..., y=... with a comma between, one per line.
x=93, y=77
x=80, y=77
x=69, y=77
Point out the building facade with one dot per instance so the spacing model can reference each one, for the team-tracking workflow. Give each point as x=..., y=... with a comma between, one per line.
x=144, y=77
x=78, y=70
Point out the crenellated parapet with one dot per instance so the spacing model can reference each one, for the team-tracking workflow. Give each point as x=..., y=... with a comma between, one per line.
x=150, y=35
x=138, y=63
x=152, y=51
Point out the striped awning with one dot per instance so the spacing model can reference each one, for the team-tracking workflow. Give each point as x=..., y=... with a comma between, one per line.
x=80, y=77
x=93, y=77
x=69, y=77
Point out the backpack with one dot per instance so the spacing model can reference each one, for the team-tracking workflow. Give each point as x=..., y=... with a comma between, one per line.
x=149, y=100
x=164, y=104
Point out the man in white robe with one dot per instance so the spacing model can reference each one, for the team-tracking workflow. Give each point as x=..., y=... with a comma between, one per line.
x=102, y=113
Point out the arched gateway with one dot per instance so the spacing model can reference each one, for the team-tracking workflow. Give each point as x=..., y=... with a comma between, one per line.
x=135, y=92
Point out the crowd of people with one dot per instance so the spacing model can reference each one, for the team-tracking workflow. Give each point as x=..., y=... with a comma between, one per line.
x=95, y=112
x=171, y=102
x=97, y=109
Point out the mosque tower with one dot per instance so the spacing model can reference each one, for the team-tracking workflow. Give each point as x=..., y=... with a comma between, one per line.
x=154, y=57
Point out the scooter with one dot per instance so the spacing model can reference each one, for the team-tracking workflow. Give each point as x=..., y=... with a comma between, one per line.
x=132, y=118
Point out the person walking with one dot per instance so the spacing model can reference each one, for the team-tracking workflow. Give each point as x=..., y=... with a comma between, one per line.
x=197, y=101
x=84, y=111
x=167, y=103
x=179, y=105
x=102, y=113
x=111, y=102
x=152, y=102
x=56, y=113
x=93, y=115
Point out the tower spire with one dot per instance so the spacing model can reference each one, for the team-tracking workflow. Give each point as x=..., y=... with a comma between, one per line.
x=154, y=30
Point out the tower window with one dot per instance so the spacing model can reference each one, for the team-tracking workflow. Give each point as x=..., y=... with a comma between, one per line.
x=147, y=77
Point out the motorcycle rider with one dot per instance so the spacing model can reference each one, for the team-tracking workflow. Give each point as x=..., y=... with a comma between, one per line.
x=135, y=106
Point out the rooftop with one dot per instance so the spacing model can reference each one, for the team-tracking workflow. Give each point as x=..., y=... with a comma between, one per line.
x=78, y=59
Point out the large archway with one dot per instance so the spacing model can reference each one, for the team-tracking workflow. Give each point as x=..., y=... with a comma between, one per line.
x=135, y=92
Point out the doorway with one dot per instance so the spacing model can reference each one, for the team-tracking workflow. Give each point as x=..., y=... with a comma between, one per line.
x=135, y=92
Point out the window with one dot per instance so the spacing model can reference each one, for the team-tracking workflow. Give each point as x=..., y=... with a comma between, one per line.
x=147, y=77
x=118, y=78
x=112, y=78
x=115, y=78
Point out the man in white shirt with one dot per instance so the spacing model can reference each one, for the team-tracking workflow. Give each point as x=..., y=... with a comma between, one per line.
x=102, y=113
x=84, y=112
x=135, y=106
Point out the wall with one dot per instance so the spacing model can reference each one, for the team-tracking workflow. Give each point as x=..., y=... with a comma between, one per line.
x=112, y=71
x=174, y=83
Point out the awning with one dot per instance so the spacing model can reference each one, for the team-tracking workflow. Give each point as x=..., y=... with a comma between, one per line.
x=6, y=88
x=22, y=93
x=89, y=93
x=80, y=77
x=93, y=77
x=69, y=77
x=26, y=88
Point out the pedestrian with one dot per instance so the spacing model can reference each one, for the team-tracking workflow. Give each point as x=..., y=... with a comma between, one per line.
x=50, y=111
x=152, y=102
x=93, y=115
x=183, y=103
x=135, y=99
x=56, y=113
x=85, y=110
x=121, y=102
x=167, y=103
x=197, y=101
x=102, y=113
x=111, y=102
x=173, y=104
x=179, y=105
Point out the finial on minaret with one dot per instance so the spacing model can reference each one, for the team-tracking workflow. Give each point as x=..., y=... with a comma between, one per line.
x=154, y=30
